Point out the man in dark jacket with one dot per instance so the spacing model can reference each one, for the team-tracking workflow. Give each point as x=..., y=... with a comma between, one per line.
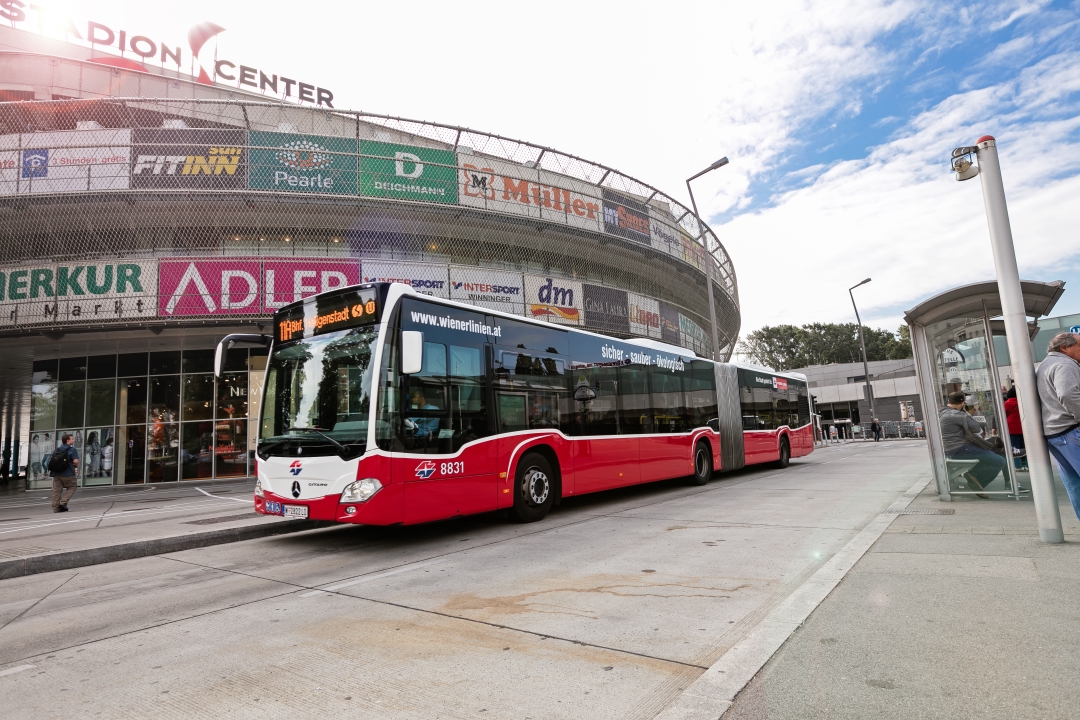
x=63, y=484
x=1058, y=379
x=961, y=436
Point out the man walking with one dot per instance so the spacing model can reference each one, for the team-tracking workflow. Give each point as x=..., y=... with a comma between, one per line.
x=62, y=466
x=1058, y=379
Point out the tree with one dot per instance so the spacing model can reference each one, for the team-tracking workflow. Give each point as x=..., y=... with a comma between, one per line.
x=785, y=347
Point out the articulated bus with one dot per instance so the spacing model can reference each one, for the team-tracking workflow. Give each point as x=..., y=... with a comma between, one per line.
x=382, y=406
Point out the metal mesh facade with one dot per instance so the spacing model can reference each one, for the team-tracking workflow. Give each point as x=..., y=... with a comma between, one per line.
x=142, y=212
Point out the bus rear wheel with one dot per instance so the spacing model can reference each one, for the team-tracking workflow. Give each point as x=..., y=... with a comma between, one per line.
x=534, y=488
x=785, y=454
x=702, y=464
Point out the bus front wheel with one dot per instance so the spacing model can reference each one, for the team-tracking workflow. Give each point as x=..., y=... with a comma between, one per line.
x=702, y=464
x=785, y=454
x=534, y=488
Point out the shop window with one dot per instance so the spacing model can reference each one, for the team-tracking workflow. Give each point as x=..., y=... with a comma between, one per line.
x=198, y=397
x=230, y=448
x=165, y=363
x=197, y=450
x=163, y=452
x=100, y=402
x=129, y=364
x=100, y=366
x=131, y=401
x=45, y=371
x=98, y=456
x=130, y=457
x=42, y=445
x=165, y=398
x=43, y=406
x=232, y=396
x=198, y=361
x=71, y=400
x=72, y=368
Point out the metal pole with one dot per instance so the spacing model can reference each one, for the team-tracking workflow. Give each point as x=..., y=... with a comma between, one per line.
x=1016, y=334
x=862, y=344
x=708, y=276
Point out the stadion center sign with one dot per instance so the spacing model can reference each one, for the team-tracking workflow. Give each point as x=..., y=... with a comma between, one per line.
x=135, y=291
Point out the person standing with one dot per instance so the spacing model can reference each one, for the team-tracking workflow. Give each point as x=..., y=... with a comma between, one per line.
x=961, y=436
x=1016, y=429
x=875, y=427
x=1058, y=380
x=62, y=466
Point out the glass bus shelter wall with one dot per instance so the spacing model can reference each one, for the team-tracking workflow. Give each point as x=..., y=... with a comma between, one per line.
x=146, y=416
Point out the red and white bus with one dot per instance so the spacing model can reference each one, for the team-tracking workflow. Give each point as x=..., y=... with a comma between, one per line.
x=383, y=406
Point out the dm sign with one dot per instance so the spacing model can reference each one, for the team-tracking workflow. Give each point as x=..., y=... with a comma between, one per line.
x=302, y=163
x=188, y=158
x=406, y=172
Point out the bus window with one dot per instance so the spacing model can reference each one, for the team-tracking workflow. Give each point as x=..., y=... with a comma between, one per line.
x=668, y=403
x=764, y=415
x=803, y=406
x=596, y=401
x=635, y=405
x=701, y=394
x=780, y=408
x=530, y=388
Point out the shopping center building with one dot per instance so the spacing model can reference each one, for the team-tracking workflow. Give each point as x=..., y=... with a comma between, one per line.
x=148, y=212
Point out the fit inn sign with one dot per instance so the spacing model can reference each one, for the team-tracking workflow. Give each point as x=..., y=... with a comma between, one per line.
x=49, y=21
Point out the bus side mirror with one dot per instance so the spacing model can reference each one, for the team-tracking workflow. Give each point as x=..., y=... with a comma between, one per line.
x=229, y=340
x=412, y=352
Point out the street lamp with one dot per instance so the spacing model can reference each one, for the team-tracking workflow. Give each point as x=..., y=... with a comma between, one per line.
x=1014, y=315
x=708, y=256
x=862, y=344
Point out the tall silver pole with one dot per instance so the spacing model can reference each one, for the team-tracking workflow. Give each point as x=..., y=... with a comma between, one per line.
x=865, y=365
x=1016, y=334
x=708, y=276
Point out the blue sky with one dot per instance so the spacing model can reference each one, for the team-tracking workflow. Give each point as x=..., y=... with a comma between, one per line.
x=838, y=117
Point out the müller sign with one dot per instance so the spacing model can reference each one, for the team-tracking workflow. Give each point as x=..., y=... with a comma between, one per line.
x=100, y=34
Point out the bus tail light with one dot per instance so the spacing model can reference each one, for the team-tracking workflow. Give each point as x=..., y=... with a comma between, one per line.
x=360, y=491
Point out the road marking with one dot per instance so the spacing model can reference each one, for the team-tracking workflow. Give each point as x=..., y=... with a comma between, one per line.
x=125, y=514
x=713, y=693
x=16, y=669
x=223, y=498
x=376, y=576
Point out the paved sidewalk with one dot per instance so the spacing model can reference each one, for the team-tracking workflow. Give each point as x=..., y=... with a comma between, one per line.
x=961, y=615
x=119, y=523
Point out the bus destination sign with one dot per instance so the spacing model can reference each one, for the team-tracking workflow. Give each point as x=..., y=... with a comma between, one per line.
x=353, y=308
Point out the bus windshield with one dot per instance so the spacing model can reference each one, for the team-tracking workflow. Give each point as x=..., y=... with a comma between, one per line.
x=318, y=389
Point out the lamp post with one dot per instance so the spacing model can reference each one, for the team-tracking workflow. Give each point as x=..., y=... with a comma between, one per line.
x=862, y=344
x=1014, y=314
x=708, y=256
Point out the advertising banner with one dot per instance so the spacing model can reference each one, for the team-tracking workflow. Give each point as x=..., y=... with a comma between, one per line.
x=669, y=324
x=665, y=237
x=189, y=159
x=426, y=279
x=488, y=289
x=626, y=217
x=407, y=172
x=501, y=186
x=302, y=163
x=67, y=161
x=692, y=335
x=286, y=281
x=606, y=309
x=644, y=315
x=209, y=287
x=555, y=300
x=90, y=293
x=692, y=252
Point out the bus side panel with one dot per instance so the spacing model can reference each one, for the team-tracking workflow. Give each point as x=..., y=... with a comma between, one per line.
x=387, y=506
x=761, y=446
x=802, y=441
x=444, y=486
x=605, y=462
x=665, y=456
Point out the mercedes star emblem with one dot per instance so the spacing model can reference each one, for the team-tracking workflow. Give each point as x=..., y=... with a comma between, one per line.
x=296, y=488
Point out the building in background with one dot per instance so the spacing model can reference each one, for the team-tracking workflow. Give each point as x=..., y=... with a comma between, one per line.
x=839, y=392
x=147, y=212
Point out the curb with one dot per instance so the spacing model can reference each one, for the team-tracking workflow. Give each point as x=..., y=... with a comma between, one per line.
x=20, y=567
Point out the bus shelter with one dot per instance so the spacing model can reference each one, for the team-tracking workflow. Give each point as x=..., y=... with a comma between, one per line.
x=952, y=341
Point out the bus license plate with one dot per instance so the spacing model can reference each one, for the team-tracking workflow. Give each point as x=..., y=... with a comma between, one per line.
x=299, y=511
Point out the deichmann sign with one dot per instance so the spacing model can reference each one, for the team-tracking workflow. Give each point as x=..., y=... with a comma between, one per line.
x=505, y=187
x=407, y=172
x=302, y=163
x=246, y=286
x=60, y=162
x=189, y=158
x=77, y=293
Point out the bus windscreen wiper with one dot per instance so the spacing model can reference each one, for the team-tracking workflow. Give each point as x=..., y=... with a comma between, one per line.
x=342, y=450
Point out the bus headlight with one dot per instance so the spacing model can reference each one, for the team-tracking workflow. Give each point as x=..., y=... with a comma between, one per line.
x=360, y=491
x=258, y=488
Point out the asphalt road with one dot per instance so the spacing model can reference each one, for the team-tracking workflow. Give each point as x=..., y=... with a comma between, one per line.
x=606, y=609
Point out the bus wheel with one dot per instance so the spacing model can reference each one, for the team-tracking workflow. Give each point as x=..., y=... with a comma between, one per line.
x=534, y=488
x=702, y=464
x=785, y=454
